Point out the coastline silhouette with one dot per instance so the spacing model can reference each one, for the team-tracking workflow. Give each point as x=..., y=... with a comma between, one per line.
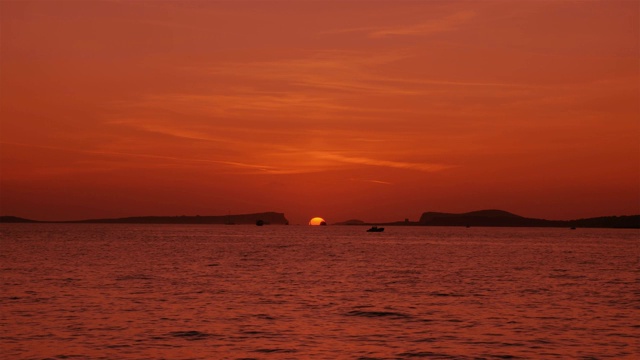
x=486, y=218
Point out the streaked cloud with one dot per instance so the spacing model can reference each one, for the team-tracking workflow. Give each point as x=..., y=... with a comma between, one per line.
x=253, y=105
x=372, y=181
x=359, y=73
x=447, y=23
x=383, y=163
x=246, y=167
x=171, y=129
x=345, y=71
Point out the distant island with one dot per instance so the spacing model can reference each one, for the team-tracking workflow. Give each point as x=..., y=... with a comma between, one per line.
x=265, y=218
x=501, y=218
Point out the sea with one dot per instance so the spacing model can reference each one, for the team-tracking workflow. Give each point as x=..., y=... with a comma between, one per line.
x=116, y=291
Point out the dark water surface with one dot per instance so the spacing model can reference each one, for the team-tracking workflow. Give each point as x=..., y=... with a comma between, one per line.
x=296, y=292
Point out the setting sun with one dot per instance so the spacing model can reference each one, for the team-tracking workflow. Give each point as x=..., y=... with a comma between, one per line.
x=317, y=221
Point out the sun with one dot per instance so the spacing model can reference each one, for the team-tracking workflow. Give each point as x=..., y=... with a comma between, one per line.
x=317, y=221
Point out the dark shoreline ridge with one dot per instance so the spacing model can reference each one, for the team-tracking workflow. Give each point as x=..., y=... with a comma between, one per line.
x=482, y=218
x=500, y=218
x=231, y=219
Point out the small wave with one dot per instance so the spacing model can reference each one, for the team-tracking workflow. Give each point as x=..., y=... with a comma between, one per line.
x=190, y=335
x=445, y=294
x=426, y=340
x=276, y=351
x=378, y=314
x=541, y=341
x=253, y=332
x=265, y=317
x=429, y=354
x=567, y=276
x=134, y=277
x=535, y=291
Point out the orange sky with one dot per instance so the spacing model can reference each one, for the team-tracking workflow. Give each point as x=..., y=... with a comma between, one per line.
x=376, y=110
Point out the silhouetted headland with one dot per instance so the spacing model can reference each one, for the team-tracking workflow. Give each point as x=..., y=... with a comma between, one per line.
x=500, y=218
x=265, y=218
x=15, y=219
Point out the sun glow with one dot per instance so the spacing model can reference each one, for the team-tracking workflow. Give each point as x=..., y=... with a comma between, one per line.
x=317, y=221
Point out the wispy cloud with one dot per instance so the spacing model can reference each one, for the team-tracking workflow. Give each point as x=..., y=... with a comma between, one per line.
x=251, y=105
x=346, y=72
x=372, y=181
x=254, y=167
x=377, y=162
x=315, y=113
x=447, y=23
x=350, y=72
x=169, y=130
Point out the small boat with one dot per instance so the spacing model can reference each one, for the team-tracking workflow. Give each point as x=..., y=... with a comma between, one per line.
x=375, y=229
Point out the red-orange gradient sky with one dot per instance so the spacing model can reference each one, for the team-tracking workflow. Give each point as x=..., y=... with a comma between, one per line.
x=377, y=110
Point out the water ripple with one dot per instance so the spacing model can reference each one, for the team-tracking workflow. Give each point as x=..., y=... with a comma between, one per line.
x=190, y=335
x=378, y=314
x=221, y=292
